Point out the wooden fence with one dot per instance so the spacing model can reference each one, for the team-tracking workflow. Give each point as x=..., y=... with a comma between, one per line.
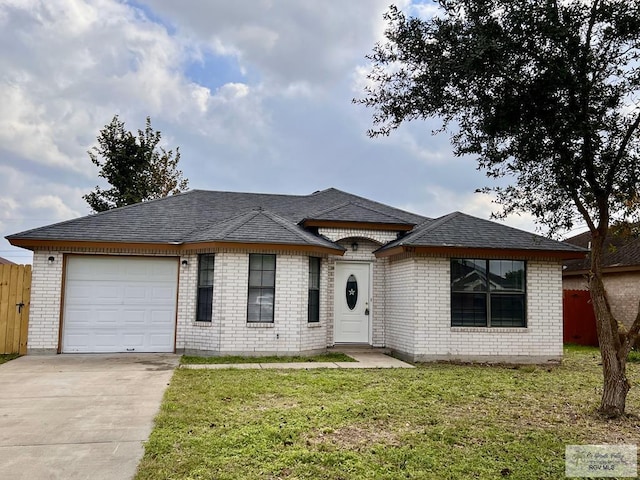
x=579, y=319
x=15, y=295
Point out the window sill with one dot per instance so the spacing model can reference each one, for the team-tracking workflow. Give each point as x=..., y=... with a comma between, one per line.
x=195, y=323
x=314, y=324
x=260, y=325
x=490, y=329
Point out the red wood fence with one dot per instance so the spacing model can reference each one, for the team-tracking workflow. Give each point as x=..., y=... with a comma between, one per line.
x=578, y=318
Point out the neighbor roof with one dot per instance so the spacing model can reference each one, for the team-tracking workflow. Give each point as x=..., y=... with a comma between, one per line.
x=459, y=231
x=207, y=216
x=621, y=253
x=4, y=261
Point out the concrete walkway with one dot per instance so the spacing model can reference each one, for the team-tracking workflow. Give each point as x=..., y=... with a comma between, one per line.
x=363, y=360
x=71, y=417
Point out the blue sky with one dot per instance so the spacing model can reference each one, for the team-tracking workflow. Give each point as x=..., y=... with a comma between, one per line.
x=256, y=93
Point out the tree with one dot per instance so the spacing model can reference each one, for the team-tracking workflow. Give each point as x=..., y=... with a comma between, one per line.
x=136, y=167
x=544, y=93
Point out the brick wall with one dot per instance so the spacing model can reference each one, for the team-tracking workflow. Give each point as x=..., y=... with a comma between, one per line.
x=434, y=338
x=623, y=291
x=401, y=297
x=44, y=314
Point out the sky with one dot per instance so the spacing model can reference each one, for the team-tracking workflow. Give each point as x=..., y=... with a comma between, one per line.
x=257, y=94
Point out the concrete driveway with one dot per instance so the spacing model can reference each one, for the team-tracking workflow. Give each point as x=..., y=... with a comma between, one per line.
x=79, y=416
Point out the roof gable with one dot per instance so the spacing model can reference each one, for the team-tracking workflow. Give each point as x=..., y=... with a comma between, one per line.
x=200, y=215
x=461, y=231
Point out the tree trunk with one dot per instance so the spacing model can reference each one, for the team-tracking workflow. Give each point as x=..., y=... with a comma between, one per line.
x=614, y=355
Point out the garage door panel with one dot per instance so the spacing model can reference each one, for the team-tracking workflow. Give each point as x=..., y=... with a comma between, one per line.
x=120, y=304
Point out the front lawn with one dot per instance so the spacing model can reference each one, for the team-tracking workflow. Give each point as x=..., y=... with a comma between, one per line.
x=438, y=421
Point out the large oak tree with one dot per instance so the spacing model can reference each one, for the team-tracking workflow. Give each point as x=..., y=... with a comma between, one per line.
x=136, y=167
x=544, y=93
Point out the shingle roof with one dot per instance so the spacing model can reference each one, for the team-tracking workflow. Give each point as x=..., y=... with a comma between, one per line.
x=620, y=250
x=200, y=216
x=461, y=230
x=183, y=217
x=4, y=261
x=258, y=226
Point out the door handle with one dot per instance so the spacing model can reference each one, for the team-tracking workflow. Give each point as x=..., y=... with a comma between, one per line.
x=20, y=305
x=366, y=309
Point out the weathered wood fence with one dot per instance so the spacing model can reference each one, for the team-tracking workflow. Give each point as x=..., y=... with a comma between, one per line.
x=15, y=296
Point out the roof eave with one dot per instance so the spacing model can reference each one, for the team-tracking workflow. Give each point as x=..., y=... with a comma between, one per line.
x=173, y=247
x=468, y=252
x=618, y=269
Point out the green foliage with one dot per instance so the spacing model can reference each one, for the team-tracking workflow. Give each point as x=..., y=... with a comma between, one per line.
x=545, y=92
x=137, y=168
x=437, y=421
x=4, y=358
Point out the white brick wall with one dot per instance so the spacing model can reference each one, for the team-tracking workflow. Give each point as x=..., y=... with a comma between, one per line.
x=46, y=290
x=401, y=298
x=229, y=332
x=434, y=338
x=410, y=308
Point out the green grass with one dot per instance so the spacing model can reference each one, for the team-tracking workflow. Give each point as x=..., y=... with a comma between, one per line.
x=6, y=357
x=438, y=421
x=325, y=357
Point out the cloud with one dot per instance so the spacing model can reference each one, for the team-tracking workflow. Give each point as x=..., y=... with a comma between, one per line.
x=256, y=93
x=287, y=41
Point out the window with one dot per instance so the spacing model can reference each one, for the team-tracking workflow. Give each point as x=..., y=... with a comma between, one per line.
x=487, y=293
x=205, y=288
x=262, y=288
x=313, y=315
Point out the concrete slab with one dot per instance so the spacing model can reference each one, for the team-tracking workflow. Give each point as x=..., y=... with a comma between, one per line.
x=363, y=360
x=79, y=416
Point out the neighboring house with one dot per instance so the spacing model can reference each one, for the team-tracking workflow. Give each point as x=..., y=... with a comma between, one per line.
x=240, y=273
x=4, y=261
x=621, y=272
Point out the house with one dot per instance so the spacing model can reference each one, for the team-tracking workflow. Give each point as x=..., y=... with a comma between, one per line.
x=211, y=273
x=620, y=268
x=4, y=261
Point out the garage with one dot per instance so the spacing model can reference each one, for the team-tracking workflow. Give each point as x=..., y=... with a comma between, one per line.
x=119, y=304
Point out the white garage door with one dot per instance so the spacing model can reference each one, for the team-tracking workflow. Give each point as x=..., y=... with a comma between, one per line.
x=119, y=304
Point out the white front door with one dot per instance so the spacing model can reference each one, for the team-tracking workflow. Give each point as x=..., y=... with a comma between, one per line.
x=351, y=303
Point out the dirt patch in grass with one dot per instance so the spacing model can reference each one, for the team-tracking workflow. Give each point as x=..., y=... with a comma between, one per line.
x=352, y=437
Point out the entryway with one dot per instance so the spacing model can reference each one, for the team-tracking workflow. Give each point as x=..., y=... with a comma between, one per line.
x=352, y=298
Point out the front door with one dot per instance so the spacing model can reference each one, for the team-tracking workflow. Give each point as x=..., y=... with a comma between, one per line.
x=351, y=303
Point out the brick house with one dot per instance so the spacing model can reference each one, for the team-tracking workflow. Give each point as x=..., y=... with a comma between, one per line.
x=621, y=272
x=238, y=273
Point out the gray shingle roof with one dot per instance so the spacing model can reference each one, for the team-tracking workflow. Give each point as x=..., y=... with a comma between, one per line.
x=258, y=226
x=184, y=217
x=462, y=230
x=209, y=216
